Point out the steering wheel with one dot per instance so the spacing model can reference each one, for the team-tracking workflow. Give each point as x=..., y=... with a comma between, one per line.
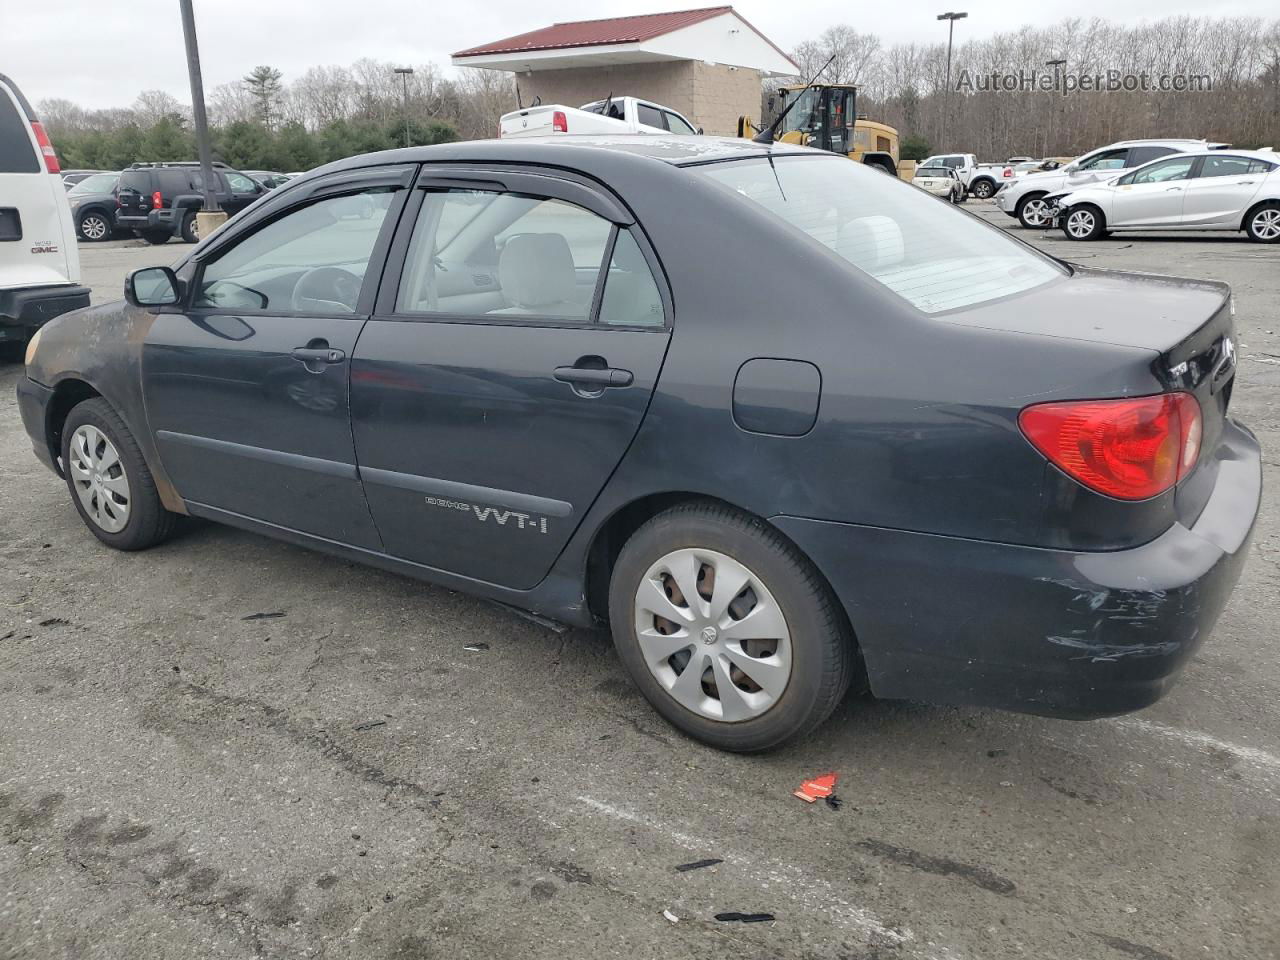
x=326, y=290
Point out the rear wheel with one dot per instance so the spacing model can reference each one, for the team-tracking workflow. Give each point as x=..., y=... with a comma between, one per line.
x=190, y=228
x=983, y=189
x=94, y=226
x=154, y=236
x=1263, y=224
x=728, y=630
x=110, y=484
x=1033, y=212
x=1084, y=222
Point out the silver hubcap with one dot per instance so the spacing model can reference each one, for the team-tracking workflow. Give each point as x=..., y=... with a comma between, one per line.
x=982, y=190
x=711, y=633
x=1267, y=224
x=1034, y=212
x=99, y=478
x=1080, y=224
x=94, y=228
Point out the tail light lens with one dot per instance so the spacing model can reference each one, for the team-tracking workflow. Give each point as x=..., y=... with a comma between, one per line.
x=1130, y=449
x=157, y=201
x=559, y=122
x=46, y=148
x=1008, y=172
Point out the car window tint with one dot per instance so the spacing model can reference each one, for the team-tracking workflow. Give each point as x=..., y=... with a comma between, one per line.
x=239, y=182
x=650, y=116
x=1178, y=168
x=933, y=172
x=311, y=260
x=480, y=253
x=1140, y=155
x=138, y=181
x=1219, y=166
x=952, y=161
x=171, y=182
x=1108, y=160
x=926, y=252
x=677, y=124
x=631, y=296
x=17, y=155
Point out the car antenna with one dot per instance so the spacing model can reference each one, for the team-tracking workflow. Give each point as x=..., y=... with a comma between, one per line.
x=608, y=102
x=766, y=135
x=519, y=102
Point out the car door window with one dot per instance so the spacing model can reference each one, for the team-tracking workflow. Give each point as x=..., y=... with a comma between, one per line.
x=631, y=296
x=1219, y=166
x=650, y=116
x=240, y=183
x=1178, y=168
x=503, y=255
x=1107, y=160
x=676, y=123
x=311, y=260
x=952, y=162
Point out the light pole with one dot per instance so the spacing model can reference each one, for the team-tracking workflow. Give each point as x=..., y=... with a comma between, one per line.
x=951, y=19
x=404, y=77
x=197, y=106
x=1057, y=66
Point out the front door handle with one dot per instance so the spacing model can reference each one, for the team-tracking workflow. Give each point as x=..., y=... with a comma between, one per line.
x=1171, y=189
x=595, y=377
x=318, y=355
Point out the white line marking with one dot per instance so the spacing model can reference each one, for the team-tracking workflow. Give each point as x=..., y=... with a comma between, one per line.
x=1253, y=756
x=808, y=891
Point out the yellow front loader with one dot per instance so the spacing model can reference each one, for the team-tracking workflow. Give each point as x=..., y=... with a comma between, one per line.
x=825, y=117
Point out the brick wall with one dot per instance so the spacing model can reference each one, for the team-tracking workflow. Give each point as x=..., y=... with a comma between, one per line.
x=710, y=97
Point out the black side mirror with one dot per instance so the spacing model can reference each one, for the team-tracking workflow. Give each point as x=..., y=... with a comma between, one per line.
x=152, y=287
x=700, y=132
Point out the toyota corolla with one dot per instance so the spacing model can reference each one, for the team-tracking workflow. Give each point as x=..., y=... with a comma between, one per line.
x=783, y=423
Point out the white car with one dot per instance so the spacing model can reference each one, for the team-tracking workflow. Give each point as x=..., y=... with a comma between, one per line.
x=941, y=181
x=1205, y=190
x=39, y=260
x=980, y=180
x=1023, y=197
x=613, y=115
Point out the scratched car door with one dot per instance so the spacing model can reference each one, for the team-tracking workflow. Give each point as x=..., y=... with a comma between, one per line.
x=517, y=339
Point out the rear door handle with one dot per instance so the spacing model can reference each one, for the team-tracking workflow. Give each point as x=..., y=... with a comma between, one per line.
x=595, y=376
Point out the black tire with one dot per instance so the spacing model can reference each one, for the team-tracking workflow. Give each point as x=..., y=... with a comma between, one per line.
x=1259, y=223
x=189, y=228
x=982, y=188
x=1080, y=217
x=148, y=522
x=1034, y=201
x=823, y=651
x=155, y=236
x=94, y=226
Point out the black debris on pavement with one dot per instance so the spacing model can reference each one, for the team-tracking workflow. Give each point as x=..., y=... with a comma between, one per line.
x=371, y=724
x=834, y=802
x=697, y=865
x=54, y=622
x=996, y=753
x=732, y=917
x=276, y=615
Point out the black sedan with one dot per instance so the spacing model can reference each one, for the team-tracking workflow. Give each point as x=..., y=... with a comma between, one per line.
x=784, y=423
x=93, y=207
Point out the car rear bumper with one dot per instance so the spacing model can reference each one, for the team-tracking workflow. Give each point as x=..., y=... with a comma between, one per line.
x=26, y=308
x=167, y=219
x=33, y=405
x=1076, y=635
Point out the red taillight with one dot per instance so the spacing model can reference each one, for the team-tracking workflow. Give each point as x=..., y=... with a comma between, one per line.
x=1130, y=449
x=42, y=141
x=559, y=122
x=157, y=201
x=1008, y=172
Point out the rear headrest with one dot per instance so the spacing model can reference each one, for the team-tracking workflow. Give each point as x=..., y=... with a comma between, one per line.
x=536, y=270
x=871, y=242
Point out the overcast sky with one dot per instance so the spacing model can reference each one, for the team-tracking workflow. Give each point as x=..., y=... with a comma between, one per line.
x=100, y=53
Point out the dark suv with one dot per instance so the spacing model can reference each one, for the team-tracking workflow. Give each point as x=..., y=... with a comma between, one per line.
x=160, y=200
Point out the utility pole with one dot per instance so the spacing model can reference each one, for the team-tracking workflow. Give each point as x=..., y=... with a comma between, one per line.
x=201, y=121
x=951, y=19
x=404, y=77
x=1057, y=74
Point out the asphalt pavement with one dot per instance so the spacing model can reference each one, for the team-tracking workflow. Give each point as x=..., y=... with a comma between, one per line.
x=228, y=747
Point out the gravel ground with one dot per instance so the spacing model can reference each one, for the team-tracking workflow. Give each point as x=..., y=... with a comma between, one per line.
x=344, y=778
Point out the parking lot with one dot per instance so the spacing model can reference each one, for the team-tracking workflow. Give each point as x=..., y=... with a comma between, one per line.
x=231, y=747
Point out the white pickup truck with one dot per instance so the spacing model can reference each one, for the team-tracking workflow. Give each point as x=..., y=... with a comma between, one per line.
x=981, y=180
x=612, y=115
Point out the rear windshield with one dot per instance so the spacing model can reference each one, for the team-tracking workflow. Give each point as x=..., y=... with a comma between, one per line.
x=17, y=155
x=932, y=172
x=927, y=252
x=136, y=180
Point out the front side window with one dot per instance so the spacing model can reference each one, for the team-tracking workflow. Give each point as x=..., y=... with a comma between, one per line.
x=95, y=183
x=926, y=252
x=1176, y=169
x=677, y=124
x=311, y=260
x=649, y=116
x=1106, y=160
x=240, y=183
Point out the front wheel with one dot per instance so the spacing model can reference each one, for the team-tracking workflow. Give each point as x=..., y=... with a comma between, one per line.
x=154, y=236
x=727, y=629
x=110, y=484
x=1084, y=222
x=1033, y=212
x=1263, y=224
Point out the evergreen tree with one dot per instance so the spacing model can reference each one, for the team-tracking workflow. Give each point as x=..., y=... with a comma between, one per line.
x=263, y=83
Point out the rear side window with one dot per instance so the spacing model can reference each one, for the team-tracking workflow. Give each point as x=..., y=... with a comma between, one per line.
x=1219, y=166
x=1140, y=155
x=172, y=182
x=926, y=252
x=17, y=155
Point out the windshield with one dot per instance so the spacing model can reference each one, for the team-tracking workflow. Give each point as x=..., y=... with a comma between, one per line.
x=98, y=183
x=805, y=117
x=926, y=252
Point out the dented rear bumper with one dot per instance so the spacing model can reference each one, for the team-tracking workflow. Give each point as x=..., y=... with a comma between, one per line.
x=1051, y=632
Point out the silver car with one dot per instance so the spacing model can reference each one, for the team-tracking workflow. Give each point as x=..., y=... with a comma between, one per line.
x=1206, y=190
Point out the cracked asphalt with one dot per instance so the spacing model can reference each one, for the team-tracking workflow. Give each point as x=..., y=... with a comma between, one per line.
x=228, y=747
